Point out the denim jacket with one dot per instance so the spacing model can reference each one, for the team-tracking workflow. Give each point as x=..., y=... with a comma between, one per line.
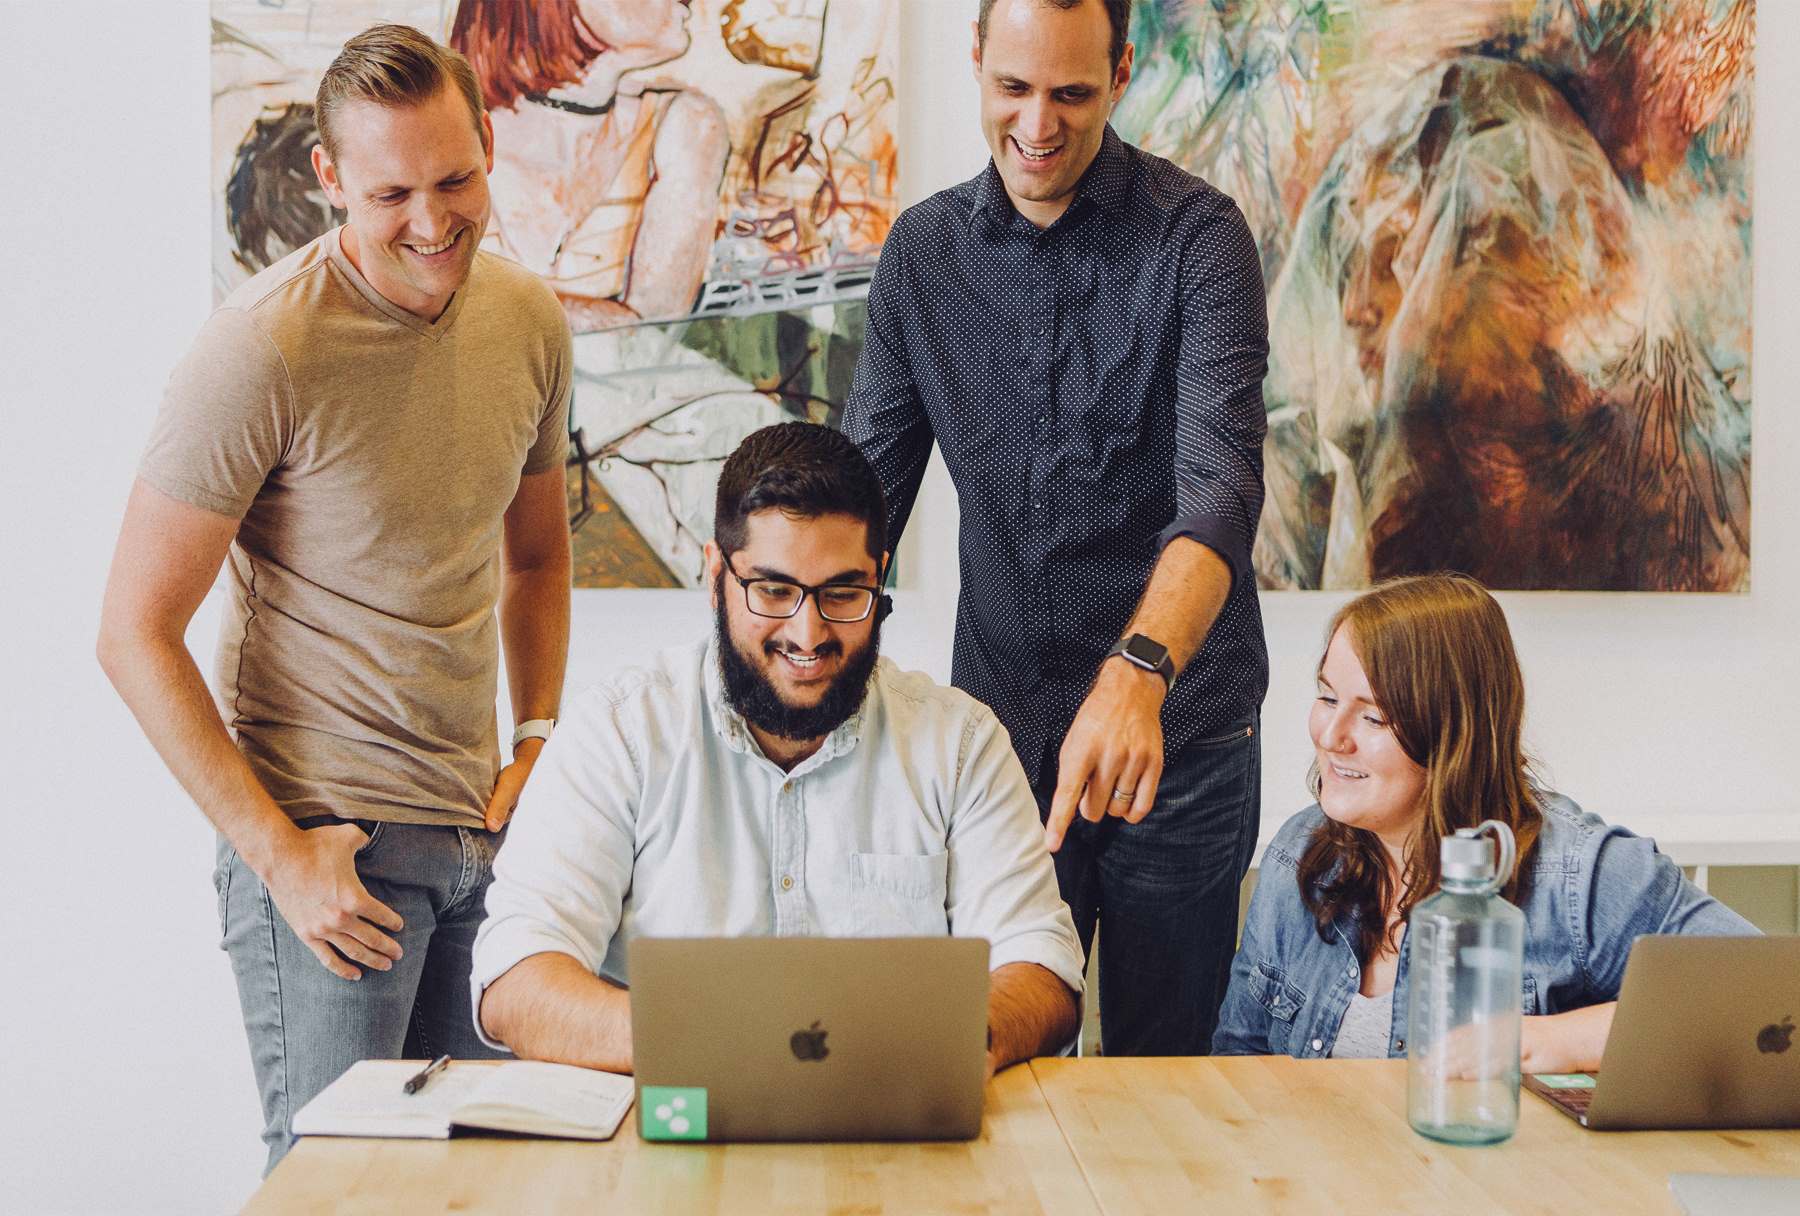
x=1590, y=890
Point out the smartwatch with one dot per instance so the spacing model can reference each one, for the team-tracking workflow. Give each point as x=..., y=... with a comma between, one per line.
x=1142, y=651
x=537, y=728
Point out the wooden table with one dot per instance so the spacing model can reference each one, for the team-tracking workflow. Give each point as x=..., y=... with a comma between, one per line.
x=1021, y=1164
x=1120, y=1136
x=1273, y=1134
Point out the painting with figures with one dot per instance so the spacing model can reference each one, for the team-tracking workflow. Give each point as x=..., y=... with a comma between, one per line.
x=706, y=185
x=1507, y=245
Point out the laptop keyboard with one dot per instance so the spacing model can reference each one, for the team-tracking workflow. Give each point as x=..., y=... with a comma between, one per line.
x=1575, y=1101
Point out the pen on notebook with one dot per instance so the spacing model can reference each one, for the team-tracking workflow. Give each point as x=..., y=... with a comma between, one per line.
x=417, y=1081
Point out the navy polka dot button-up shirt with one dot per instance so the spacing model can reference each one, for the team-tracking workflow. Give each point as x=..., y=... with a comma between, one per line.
x=1096, y=389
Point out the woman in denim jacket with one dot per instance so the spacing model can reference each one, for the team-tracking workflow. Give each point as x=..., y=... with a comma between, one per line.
x=1416, y=732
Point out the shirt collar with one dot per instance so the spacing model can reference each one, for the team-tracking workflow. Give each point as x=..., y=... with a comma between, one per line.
x=1106, y=184
x=991, y=200
x=435, y=330
x=732, y=728
x=1108, y=180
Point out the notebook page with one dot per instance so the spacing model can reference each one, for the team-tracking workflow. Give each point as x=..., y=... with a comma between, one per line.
x=557, y=1099
x=369, y=1100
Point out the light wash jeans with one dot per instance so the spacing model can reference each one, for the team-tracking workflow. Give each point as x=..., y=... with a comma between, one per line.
x=305, y=1025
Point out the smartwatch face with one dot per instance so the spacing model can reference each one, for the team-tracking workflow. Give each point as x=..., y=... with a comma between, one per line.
x=1145, y=652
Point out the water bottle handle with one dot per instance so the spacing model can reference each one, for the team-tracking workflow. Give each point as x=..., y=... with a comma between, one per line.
x=1509, y=854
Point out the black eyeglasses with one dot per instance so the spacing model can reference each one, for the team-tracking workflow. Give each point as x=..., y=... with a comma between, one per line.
x=781, y=598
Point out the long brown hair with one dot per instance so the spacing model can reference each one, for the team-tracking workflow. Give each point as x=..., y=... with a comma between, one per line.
x=1441, y=664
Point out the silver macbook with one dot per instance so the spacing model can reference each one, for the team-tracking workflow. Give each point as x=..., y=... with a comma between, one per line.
x=1703, y=1037
x=767, y=1038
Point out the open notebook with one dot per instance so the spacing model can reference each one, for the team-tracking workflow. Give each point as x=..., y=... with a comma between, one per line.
x=523, y=1096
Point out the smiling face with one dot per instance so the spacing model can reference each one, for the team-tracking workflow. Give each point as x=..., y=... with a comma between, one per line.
x=1047, y=91
x=795, y=679
x=1366, y=778
x=413, y=180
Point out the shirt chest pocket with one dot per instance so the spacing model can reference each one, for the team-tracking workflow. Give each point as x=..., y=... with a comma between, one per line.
x=1280, y=1000
x=899, y=894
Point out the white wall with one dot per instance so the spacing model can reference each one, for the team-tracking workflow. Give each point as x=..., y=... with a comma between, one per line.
x=124, y=1080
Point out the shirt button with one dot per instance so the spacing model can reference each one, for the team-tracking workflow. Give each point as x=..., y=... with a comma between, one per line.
x=1350, y=970
x=787, y=787
x=1399, y=1044
x=1318, y=1044
x=787, y=882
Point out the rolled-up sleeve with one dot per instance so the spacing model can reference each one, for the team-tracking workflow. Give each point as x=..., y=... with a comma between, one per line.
x=1220, y=420
x=1002, y=884
x=560, y=879
x=1633, y=890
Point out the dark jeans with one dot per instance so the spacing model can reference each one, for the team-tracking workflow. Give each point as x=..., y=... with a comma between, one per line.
x=306, y=1025
x=1166, y=890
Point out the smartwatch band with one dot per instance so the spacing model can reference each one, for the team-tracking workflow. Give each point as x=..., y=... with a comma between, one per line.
x=536, y=728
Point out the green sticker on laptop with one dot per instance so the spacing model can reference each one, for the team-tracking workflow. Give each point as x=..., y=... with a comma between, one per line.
x=1564, y=1080
x=672, y=1112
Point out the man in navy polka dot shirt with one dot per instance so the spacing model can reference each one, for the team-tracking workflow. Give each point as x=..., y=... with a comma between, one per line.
x=1082, y=331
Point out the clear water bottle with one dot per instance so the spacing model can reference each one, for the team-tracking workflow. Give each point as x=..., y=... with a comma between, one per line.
x=1466, y=962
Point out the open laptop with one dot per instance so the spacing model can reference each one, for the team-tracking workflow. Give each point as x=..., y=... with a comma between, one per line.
x=767, y=1038
x=1703, y=1037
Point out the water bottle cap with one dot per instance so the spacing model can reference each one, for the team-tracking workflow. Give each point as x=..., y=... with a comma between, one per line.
x=1468, y=858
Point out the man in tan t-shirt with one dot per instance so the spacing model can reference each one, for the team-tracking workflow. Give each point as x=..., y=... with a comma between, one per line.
x=370, y=435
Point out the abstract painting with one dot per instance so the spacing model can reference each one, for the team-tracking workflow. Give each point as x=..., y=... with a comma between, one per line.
x=705, y=184
x=1507, y=245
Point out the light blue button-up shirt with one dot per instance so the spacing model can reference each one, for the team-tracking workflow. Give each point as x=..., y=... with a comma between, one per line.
x=653, y=811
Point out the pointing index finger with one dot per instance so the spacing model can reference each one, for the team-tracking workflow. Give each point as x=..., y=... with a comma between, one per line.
x=1062, y=813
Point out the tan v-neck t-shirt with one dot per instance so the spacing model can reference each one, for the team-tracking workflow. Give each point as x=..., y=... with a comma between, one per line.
x=370, y=456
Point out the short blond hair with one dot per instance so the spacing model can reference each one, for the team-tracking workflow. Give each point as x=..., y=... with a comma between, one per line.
x=392, y=65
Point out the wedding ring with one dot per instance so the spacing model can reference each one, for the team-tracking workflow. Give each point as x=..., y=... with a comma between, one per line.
x=1120, y=795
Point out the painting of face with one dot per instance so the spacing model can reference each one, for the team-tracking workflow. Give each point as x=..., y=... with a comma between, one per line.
x=1507, y=246
x=645, y=31
x=704, y=184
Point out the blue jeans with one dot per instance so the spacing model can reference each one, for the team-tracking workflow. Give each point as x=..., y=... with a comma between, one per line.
x=1166, y=891
x=305, y=1025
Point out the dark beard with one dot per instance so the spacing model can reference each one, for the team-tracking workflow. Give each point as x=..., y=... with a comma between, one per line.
x=749, y=692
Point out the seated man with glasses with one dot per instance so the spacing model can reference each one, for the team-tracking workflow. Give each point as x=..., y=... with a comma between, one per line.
x=777, y=779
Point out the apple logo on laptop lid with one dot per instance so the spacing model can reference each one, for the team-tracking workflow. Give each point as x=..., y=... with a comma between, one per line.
x=1776, y=1038
x=809, y=1044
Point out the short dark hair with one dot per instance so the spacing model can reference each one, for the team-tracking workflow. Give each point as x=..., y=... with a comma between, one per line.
x=1118, y=15
x=803, y=469
x=393, y=65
